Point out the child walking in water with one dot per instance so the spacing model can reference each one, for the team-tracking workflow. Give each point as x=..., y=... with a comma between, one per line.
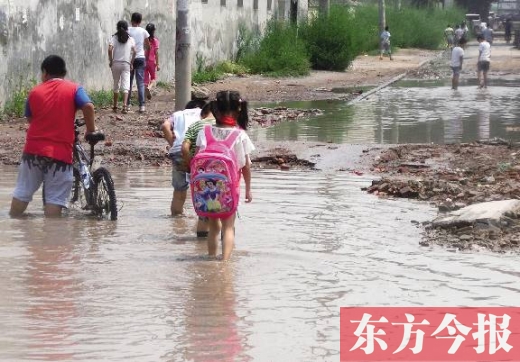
x=385, y=44
x=152, y=61
x=230, y=112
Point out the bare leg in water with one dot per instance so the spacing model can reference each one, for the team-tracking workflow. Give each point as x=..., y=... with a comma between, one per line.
x=228, y=236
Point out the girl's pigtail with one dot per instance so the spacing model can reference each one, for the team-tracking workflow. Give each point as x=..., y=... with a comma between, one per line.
x=243, y=117
x=215, y=111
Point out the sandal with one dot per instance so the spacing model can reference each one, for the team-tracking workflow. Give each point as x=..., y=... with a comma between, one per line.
x=124, y=110
x=114, y=109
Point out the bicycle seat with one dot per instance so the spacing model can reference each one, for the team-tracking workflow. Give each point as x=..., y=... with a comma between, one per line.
x=94, y=137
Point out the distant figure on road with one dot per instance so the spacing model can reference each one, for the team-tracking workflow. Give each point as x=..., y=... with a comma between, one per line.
x=464, y=28
x=484, y=59
x=508, y=27
x=487, y=32
x=457, y=58
x=449, y=36
x=459, y=34
x=385, y=44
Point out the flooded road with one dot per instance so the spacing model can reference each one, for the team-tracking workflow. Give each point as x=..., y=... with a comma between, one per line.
x=79, y=289
x=412, y=112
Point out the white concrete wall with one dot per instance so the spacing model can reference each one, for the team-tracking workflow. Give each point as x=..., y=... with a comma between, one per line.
x=79, y=30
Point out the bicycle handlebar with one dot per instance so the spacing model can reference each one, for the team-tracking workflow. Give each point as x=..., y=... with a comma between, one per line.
x=93, y=137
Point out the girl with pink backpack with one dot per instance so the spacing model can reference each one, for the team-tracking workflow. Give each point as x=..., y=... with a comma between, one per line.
x=222, y=157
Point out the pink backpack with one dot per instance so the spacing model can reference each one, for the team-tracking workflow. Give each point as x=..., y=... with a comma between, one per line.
x=215, y=177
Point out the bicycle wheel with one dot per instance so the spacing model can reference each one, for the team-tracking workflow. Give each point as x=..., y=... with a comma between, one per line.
x=104, y=194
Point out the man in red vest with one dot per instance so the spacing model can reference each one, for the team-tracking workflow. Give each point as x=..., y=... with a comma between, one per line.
x=47, y=156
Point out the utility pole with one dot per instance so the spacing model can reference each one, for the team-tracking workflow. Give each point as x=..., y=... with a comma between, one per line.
x=382, y=19
x=182, y=56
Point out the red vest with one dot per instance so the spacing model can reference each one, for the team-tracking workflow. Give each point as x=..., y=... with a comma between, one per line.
x=53, y=109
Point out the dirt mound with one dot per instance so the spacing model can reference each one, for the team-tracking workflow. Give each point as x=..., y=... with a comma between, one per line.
x=452, y=177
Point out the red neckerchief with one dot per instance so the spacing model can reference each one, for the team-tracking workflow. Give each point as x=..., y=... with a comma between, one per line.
x=228, y=121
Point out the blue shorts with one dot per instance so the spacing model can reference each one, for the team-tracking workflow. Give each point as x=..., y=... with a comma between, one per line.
x=456, y=70
x=55, y=175
x=180, y=178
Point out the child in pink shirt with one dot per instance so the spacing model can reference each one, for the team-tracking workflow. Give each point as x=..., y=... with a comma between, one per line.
x=152, y=60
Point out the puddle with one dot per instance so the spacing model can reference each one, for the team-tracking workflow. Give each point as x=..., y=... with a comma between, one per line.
x=411, y=112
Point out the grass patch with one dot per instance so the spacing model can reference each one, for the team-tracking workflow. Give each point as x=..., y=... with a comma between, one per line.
x=102, y=98
x=164, y=85
x=281, y=52
x=204, y=73
x=228, y=67
x=211, y=73
x=15, y=106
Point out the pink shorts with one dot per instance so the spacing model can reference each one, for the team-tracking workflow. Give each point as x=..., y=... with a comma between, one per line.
x=149, y=72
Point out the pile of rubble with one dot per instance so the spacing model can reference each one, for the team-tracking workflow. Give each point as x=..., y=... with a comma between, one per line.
x=453, y=177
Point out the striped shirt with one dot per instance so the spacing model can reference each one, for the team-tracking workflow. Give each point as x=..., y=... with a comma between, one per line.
x=193, y=131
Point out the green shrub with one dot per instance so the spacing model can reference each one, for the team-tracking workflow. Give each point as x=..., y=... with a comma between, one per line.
x=330, y=39
x=248, y=41
x=15, y=106
x=364, y=27
x=279, y=53
x=231, y=68
x=421, y=28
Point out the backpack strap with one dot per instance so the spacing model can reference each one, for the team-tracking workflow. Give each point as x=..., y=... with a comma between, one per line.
x=209, y=135
x=231, y=138
x=228, y=142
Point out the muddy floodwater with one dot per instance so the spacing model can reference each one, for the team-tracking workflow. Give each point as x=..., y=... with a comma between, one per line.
x=140, y=289
x=411, y=112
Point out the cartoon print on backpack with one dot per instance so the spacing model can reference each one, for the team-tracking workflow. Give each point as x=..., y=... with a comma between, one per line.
x=212, y=185
x=211, y=195
x=200, y=203
x=215, y=178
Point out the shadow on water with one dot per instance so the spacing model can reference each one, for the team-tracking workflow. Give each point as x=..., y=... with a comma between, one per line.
x=141, y=289
x=411, y=112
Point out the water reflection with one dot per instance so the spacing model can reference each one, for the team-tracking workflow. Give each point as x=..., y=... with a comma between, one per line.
x=411, y=112
x=141, y=289
x=53, y=284
x=212, y=330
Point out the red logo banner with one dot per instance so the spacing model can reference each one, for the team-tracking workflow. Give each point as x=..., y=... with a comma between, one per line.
x=430, y=334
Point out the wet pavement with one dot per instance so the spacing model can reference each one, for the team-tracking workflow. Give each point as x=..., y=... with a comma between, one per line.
x=81, y=289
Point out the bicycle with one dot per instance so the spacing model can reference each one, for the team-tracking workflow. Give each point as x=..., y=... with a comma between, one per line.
x=99, y=195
